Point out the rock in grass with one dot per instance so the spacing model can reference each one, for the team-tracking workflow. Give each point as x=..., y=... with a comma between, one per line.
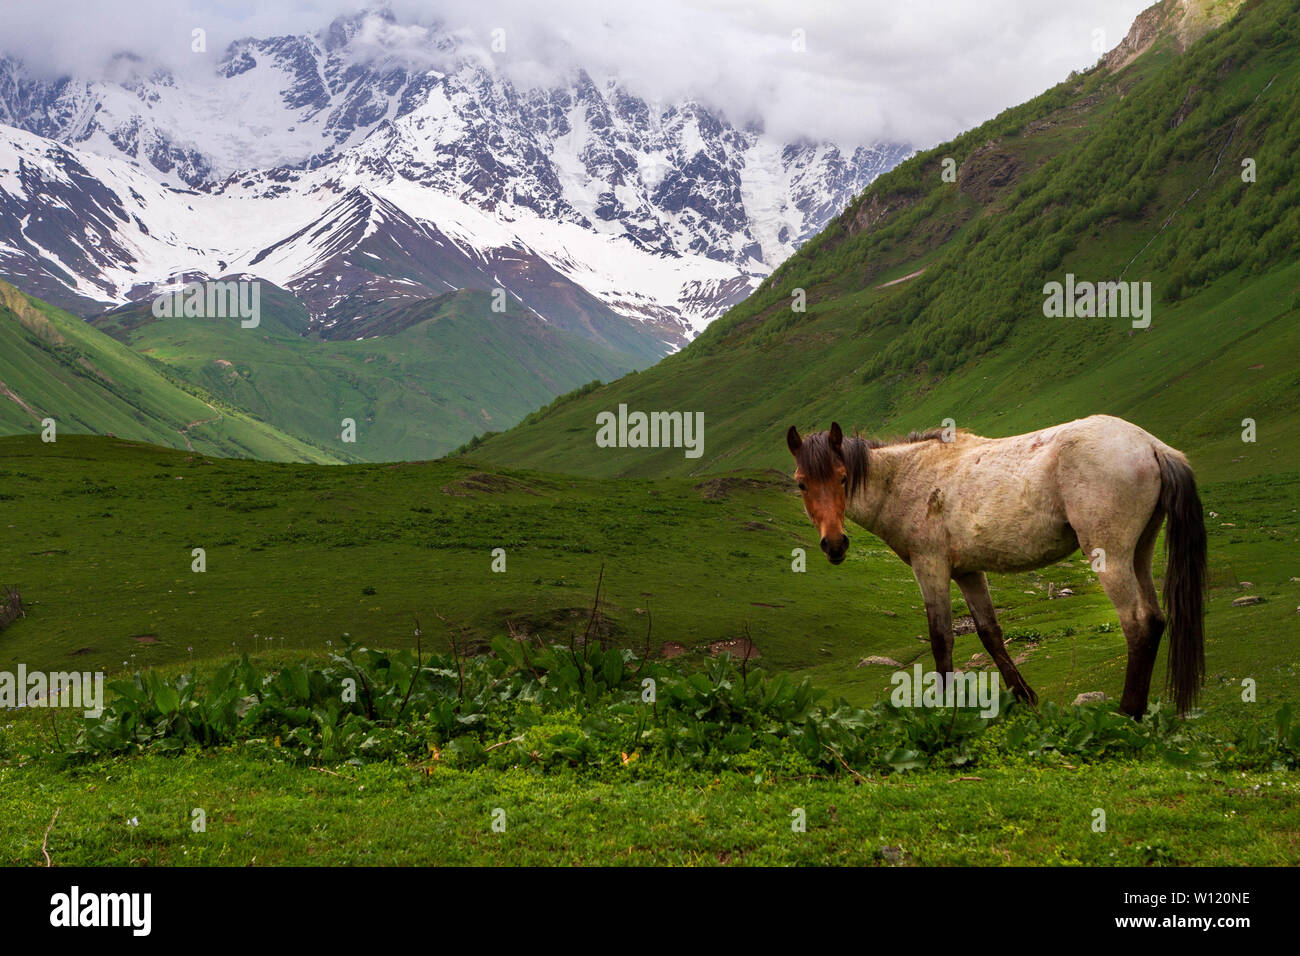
x=1091, y=697
x=888, y=661
x=1247, y=601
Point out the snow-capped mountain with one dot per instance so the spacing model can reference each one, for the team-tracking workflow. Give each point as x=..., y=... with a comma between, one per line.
x=356, y=179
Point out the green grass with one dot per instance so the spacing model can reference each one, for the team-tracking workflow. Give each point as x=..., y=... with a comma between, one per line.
x=1056, y=797
x=261, y=813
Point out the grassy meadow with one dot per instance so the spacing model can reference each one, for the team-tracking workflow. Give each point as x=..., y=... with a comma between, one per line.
x=98, y=536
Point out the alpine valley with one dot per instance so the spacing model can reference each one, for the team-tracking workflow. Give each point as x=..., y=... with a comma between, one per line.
x=505, y=610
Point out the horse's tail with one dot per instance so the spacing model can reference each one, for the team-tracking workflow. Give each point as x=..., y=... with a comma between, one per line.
x=1185, y=566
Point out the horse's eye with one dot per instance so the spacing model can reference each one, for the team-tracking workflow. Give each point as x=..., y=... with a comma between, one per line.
x=802, y=487
x=845, y=481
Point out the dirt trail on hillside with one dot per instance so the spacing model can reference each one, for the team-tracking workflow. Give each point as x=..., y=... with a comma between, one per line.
x=202, y=421
x=910, y=275
x=9, y=393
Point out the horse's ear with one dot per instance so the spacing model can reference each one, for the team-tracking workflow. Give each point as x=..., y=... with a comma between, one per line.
x=836, y=436
x=793, y=440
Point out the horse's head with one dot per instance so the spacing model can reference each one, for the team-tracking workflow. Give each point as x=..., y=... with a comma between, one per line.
x=823, y=476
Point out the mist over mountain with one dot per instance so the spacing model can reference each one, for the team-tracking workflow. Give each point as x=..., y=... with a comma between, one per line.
x=332, y=165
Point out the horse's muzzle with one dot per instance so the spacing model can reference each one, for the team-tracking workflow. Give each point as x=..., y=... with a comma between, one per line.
x=837, y=552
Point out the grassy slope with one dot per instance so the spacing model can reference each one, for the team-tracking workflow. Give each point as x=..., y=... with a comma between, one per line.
x=449, y=369
x=59, y=367
x=1099, y=167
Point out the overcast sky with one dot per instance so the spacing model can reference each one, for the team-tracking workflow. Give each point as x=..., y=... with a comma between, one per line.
x=916, y=71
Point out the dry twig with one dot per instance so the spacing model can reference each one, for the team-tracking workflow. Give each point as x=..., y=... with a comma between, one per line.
x=836, y=754
x=45, y=842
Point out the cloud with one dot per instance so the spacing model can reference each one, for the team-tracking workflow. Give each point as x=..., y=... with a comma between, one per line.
x=857, y=71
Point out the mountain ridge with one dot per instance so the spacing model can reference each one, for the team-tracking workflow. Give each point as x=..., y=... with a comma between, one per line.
x=682, y=211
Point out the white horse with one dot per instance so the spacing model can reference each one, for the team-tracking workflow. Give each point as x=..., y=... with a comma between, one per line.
x=956, y=505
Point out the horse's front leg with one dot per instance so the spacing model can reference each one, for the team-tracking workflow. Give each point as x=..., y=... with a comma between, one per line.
x=975, y=588
x=933, y=580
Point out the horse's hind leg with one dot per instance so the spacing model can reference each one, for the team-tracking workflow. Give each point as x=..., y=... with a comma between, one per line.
x=1141, y=618
x=1127, y=581
x=975, y=589
x=1114, y=507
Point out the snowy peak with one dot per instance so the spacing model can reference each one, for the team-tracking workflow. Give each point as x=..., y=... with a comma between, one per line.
x=372, y=138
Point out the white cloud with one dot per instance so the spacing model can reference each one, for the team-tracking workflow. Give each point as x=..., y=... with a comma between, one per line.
x=919, y=71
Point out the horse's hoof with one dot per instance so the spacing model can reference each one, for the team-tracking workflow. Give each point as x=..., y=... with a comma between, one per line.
x=1025, y=693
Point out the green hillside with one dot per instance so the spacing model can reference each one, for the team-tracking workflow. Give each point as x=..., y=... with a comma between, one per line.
x=429, y=376
x=1133, y=173
x=54, y=365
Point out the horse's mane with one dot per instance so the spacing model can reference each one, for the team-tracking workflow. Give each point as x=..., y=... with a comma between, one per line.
x=816, y=459
x=911, y=438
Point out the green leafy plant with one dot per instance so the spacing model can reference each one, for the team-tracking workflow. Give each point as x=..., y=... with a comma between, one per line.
x=604, y=710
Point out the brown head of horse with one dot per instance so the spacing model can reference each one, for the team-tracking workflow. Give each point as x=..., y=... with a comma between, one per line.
x=826, y=481
x=953, y=506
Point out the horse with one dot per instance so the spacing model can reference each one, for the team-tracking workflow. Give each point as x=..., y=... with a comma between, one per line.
x=954, y=505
